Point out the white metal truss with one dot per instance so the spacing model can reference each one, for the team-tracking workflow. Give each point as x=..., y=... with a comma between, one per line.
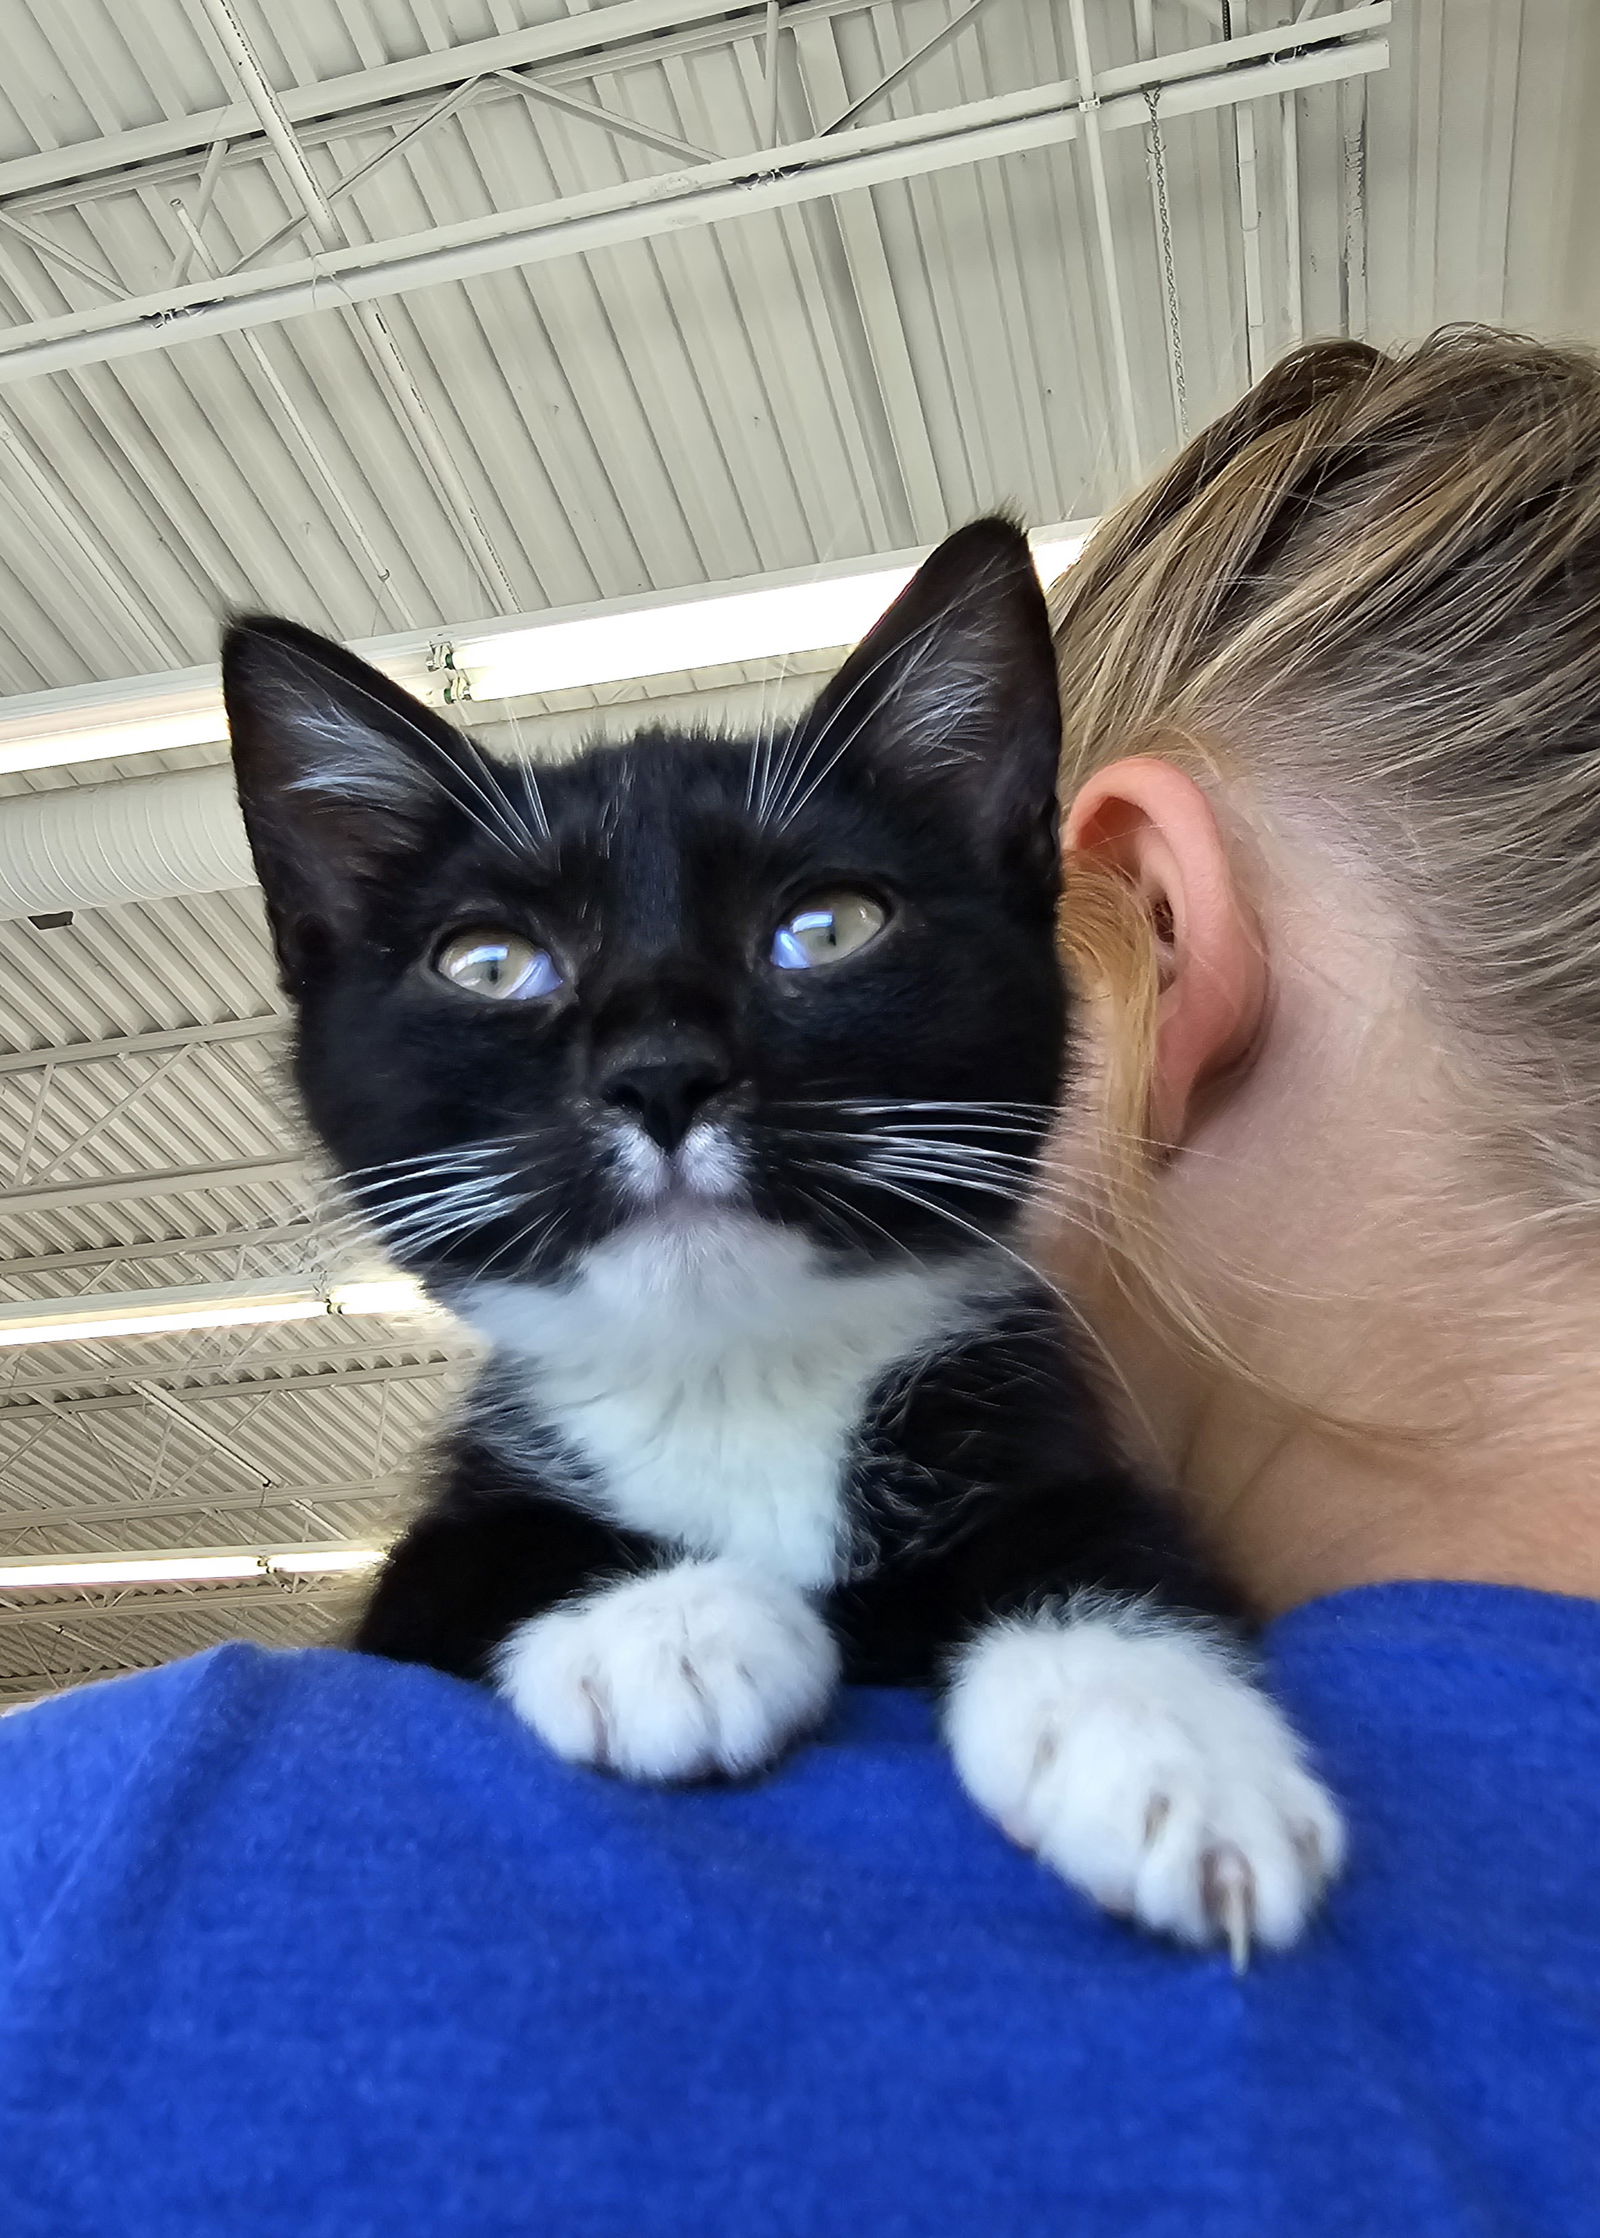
x=1326, y=50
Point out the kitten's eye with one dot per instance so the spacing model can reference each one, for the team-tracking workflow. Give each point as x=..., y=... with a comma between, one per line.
x=500, y=965
x=824, y=930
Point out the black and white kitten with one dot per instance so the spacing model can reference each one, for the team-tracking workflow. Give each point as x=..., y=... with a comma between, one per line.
x=706, y=1079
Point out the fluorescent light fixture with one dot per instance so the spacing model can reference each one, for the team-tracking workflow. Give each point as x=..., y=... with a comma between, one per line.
x=665, y=635
x=218, y=1568
x=155, y=1313
x=133, y=1569
x=659, y=634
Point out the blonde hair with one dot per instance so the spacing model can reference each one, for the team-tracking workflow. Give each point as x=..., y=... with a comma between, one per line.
x=1374, y=586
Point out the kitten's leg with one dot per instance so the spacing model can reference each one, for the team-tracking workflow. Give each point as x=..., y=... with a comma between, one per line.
x=615, y=1654
x=490, y=1551
x=1132, y=1750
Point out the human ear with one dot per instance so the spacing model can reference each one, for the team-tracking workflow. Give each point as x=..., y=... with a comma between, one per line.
x=1149, y=823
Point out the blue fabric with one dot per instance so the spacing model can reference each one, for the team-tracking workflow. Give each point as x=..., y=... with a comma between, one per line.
x=311, y=1944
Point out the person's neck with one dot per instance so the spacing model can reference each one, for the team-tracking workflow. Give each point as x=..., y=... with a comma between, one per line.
x=1486, y=1471
x=1323, y=1515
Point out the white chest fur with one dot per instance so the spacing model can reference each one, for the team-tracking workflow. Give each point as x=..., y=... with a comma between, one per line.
x=709, y=1378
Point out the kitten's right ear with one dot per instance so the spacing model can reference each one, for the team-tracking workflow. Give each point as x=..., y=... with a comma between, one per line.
x=337, y=769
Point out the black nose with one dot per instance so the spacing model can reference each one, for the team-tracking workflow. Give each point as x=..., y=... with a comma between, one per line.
x=665, y=1093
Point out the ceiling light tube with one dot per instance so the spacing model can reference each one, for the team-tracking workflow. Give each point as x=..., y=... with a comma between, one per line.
x=221, y=1566
x=153, y=1313
x=131, y=1569
x=150, y=1313
x=614, y=642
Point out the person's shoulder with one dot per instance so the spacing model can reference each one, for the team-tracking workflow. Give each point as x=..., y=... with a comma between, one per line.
x=75, y=1764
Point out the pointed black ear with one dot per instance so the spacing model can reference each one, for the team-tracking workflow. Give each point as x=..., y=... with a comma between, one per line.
x=953, y=693
x=340, y=775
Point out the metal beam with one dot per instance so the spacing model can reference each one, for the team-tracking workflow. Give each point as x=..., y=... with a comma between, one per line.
x=13, y=1523
x=139, y=1188
x=194, y=219
x=22, y=1398
x=903, y=70
x=588, y=38
x=609, y=120
x=1213, y=77
x=144, y=1045
x=176, y=1411
x=388, y=359
x=340, y=189
x=292, y=422
x=42, y=245
x=178, y=1600
x=305, y=1232
x=399, y=113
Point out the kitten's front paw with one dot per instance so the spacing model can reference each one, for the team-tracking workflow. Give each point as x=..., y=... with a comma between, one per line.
x=684, y=1672
x=1132, y=1755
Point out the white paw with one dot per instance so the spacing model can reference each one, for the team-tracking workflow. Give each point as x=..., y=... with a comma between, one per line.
x=1131, y=1754
x=681, y=1673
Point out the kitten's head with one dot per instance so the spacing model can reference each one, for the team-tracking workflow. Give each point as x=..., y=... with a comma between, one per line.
x=687, y=983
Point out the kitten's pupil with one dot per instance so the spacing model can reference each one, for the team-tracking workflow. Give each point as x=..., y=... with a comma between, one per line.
x=502, y=966
x=824, y=930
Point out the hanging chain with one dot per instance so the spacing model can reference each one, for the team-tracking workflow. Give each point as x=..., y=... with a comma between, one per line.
x=1157, y=152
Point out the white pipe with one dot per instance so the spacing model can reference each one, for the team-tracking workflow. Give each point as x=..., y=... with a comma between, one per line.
x=1353, y=210
x=1244, y=158
x=1294, y=296
x=1089, y=101
x=736, y=187
x=143, y=839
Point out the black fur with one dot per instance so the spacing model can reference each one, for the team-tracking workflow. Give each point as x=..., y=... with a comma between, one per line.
x=982, y=1479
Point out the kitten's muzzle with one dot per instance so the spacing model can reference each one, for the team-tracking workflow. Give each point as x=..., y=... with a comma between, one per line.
x=665, y=1090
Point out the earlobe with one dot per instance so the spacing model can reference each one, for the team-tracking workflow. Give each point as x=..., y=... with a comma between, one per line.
x=1149, y=823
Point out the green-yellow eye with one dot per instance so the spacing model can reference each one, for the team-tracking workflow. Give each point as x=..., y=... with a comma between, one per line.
x=826, y=930
x=500, y=966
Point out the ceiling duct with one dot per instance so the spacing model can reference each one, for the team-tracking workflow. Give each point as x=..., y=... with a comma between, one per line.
x=143, y=839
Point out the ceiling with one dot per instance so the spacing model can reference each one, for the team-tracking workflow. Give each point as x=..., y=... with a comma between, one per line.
x=546, y=323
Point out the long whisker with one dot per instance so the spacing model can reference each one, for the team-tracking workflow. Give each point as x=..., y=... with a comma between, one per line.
x=853, y=1213
x=545, y=1223
x=488, y=1146
x=960, y=1105
x=1034, y=1274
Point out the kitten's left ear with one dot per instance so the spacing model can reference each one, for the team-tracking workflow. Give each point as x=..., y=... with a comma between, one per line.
x=953, y=692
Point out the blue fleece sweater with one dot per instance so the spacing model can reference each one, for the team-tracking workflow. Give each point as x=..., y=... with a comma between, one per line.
x=311, y=1944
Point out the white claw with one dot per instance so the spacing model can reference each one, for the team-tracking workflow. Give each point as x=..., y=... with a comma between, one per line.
x=1230, y=1901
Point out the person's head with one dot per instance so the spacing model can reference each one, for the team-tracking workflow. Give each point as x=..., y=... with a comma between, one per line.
x=1331, y=783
